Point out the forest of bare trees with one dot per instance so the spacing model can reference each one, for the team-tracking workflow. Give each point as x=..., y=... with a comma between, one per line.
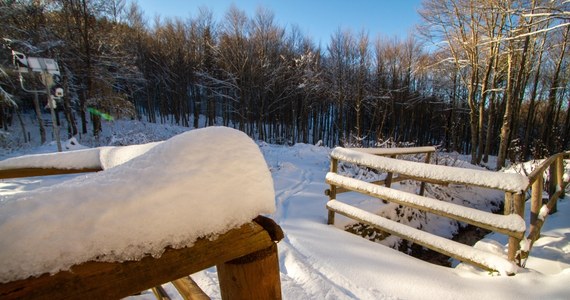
x=481, y=77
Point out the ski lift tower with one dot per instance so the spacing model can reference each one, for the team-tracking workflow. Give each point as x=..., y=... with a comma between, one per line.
x=48, y=69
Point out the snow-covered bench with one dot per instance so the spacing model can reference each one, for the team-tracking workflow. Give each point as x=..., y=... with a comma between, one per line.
x=158, y=212
x=512, y=225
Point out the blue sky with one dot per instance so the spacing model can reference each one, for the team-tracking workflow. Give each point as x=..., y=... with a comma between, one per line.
x=318, y=19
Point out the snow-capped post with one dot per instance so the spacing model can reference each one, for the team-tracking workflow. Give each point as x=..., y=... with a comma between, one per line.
x=48, y=69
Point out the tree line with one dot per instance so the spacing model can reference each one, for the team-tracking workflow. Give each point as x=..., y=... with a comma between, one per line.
x=484, y=77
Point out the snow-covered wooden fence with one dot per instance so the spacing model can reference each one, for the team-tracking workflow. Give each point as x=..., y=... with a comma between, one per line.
x=245, y=257
x=511, y=224
x=153, y=215
x=539, y=208
x=246, y=260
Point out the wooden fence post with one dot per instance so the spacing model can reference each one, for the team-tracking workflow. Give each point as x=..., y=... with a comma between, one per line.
x=388, y=180
x=254, y=276
x=508, y=209
x=423, y=184
x=553, y=183
x=514, y=204
x=560, y=169
x=332, y=191
x=518, y=207
x=536, y=201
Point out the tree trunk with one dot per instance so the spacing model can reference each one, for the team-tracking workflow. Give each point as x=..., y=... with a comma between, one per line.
x=529, y=124
x=507, y=117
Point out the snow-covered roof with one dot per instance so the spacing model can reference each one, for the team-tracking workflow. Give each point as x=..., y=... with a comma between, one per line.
x=199, y=183
x=496, y=180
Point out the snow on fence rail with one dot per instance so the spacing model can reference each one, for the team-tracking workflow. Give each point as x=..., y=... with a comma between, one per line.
x=515, y=183
x=156, y=213
x=511, y=224
x=78, y=161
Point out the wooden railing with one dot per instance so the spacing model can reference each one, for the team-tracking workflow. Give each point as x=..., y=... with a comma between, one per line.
x=246, y=259
x=539, y=210
x=513, y=185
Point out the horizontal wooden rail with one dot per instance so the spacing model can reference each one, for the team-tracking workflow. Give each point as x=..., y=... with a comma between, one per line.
x=480, y=258
x=32, y=172
x=340, y=190
x=104, y=280
x=541, y=168
x=395, y=151
x=487, y=179
x=511, y=225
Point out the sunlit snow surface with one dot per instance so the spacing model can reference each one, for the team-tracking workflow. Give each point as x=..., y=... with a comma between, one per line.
x=196, y=184
x=319, y=261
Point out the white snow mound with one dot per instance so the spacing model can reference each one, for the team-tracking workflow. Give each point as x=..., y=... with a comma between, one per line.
x=199, y=183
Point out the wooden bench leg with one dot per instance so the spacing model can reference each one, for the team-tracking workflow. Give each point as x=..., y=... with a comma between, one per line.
x=160, y=293
x=254, y=276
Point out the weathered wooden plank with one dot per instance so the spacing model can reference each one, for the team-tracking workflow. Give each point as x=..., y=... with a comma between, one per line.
x=103, y=280
x=32, y=172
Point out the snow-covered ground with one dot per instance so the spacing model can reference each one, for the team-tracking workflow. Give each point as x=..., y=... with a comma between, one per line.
x=319, y=261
